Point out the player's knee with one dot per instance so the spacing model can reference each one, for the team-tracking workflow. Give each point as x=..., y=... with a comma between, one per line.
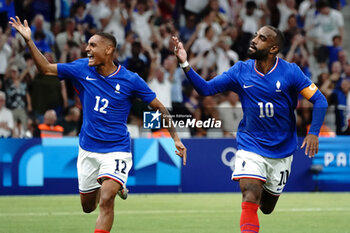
x=107, y=200
x=88, y=208
x=251, y=193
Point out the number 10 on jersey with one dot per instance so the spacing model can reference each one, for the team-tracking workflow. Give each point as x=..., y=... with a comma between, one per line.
x=266, y=109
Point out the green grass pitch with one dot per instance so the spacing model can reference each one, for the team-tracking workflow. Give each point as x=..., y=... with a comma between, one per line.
x=183, y=213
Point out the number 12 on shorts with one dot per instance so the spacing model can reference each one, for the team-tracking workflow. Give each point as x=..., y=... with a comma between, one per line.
x=120, y=166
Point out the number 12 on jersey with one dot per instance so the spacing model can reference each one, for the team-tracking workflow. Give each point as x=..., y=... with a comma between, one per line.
x=266, y=109
x=105, y=103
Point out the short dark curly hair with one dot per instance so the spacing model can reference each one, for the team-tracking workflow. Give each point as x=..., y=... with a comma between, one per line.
x=279, y=37
x=109, y=37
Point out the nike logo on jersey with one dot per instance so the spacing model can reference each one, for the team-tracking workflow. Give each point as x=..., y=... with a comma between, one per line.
x=244, y=86
x=88, y=78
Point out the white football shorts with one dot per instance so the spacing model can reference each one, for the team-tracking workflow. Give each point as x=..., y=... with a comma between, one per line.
x=94, y=167
x=273, y=172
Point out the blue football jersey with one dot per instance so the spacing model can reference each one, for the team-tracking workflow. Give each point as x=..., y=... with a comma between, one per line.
x=106, y=103
x=268, y=100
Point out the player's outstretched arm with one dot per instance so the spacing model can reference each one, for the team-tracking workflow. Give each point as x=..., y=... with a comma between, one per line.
x=181, y=54
x=181, y=149
x=312, y=94
x=41, y=62
x=203, y=87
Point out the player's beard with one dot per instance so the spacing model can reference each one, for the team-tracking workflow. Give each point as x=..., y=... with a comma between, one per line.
x=258, y=54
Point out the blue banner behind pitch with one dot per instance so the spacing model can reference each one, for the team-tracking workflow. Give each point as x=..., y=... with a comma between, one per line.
x=333, y=161
x=48, y=166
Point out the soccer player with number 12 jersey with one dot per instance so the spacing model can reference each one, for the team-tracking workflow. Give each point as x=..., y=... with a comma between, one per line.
x=268, y=88
x=105, y=91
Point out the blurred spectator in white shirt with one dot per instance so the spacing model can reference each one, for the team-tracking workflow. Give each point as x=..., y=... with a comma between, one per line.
x=326, y=24
x=18, y=98
x=114, y=19
x=160, y=80
x=140, y=21
x=195, y=6
x=203, y=46
x=176, y=88
x=5, y=54
x=6, y=118
x=94, y=8
x=286, y=8
x=252, y=17
x=225, y=56
x=304, y=7
x=230, y=113
x=210, y=20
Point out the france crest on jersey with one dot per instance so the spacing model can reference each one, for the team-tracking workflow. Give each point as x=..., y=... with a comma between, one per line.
x=268, y=100
x=106, y=103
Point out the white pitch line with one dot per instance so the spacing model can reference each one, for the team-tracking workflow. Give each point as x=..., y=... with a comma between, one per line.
x=312, y=209
x=141, y=212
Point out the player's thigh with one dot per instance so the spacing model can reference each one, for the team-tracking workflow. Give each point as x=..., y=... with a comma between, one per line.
x=89, y=200
x=249, y=165
x=278, y=173
x=88, y=168
x=115, y=166
x=251, y=189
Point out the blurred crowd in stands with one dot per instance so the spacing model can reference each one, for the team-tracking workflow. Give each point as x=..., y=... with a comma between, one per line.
x=216, y=33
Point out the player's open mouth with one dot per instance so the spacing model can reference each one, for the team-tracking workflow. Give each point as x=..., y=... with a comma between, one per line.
x=91, y=58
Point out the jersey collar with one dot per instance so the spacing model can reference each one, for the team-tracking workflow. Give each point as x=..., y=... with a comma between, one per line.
x=114, y=73
x=271, y=70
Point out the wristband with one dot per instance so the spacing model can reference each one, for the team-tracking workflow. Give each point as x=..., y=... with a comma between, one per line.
x=184, y=65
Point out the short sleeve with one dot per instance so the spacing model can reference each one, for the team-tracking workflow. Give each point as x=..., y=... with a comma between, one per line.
x=227, y=80
x=70, y=70
x=142, y=91
x=299, y=79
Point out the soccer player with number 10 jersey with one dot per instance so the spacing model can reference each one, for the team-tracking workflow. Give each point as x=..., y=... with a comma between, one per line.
x=268, y=87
